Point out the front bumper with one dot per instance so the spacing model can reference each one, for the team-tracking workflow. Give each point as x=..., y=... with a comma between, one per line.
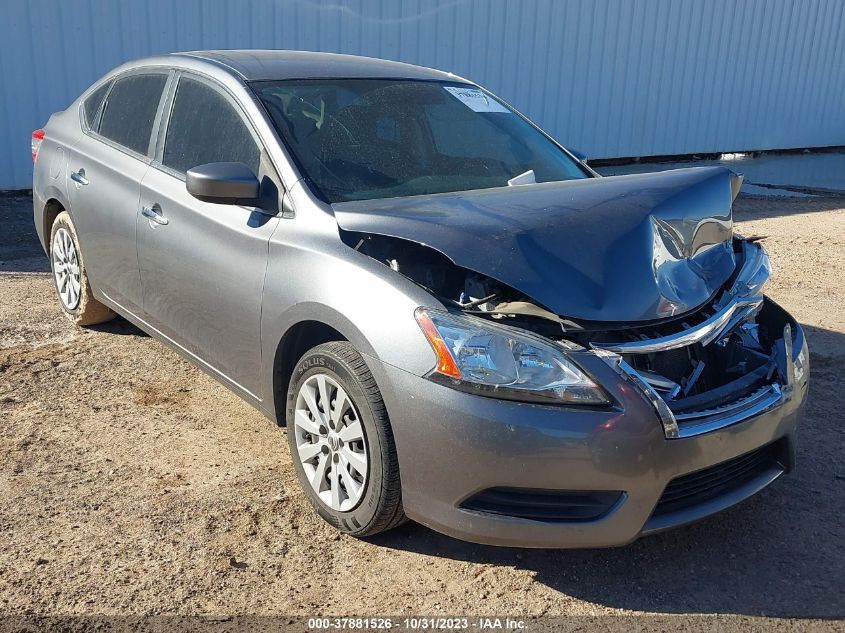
x=453, y=445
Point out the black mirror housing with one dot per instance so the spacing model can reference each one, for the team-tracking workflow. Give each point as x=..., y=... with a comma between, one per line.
x=223, y=183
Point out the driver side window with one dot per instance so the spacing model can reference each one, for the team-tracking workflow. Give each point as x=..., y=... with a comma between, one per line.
x=205, y=127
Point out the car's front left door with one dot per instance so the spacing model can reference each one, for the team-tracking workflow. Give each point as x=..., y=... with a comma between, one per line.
x=203, y=264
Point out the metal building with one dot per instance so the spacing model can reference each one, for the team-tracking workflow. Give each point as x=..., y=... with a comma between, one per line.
x=612, y=78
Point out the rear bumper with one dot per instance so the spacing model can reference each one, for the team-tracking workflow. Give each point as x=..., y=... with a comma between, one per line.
x=38, y=205
x=453, y=445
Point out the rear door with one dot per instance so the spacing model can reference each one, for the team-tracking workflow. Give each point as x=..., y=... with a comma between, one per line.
x=202, y=264
x=106, y=167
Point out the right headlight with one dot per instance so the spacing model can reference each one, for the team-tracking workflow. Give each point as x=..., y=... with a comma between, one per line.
x=756, y=271
x=503, y=362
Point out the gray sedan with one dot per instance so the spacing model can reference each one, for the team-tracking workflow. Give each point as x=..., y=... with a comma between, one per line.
x=457, y=320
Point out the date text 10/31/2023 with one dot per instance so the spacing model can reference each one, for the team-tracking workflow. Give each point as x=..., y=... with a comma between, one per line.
x=417, y=624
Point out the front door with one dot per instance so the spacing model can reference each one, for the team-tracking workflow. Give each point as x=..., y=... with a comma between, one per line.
x=202, y=264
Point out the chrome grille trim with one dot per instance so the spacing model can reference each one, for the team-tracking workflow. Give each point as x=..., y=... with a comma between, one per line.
x=737, y=405
x=733, y=314
x=698, y=422
x=694, y=423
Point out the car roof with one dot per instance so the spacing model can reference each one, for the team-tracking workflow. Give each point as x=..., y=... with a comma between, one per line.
x=263, y=65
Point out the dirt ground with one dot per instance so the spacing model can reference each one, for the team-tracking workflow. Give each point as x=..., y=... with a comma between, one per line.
x=130, y=482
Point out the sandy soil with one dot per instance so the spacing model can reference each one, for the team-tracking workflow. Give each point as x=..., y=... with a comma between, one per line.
x=132, y=483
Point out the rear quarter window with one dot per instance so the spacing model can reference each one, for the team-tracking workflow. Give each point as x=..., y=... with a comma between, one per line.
x=130, y=110
x=91, y=107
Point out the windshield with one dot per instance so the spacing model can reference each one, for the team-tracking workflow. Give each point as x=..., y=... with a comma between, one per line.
x=360, y=139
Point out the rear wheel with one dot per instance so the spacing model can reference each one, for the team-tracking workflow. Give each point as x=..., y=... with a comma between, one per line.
x=341, y=442
x=70, y=278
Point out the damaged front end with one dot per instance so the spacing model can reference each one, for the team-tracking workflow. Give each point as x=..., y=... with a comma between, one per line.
x=731, y=360
x=702, y=342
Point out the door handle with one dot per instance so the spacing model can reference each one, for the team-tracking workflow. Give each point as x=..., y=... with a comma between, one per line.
x=154, y=215
x=79, y=177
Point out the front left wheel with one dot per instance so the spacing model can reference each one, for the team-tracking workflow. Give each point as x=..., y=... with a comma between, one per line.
x=341, y=442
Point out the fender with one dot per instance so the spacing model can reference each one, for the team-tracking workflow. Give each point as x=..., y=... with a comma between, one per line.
x=274, y=331
x=40, y=200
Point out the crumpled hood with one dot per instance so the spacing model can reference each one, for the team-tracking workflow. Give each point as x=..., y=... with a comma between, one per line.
x=621, y=248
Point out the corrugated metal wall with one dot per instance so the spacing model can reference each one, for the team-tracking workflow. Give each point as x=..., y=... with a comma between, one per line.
x=610, y=77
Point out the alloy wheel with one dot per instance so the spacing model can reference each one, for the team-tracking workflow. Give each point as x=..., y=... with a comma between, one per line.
x=66, y=269
x=330, y=442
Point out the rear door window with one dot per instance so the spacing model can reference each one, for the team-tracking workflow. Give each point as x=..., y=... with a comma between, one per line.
x=130, y=110
x=205, y=127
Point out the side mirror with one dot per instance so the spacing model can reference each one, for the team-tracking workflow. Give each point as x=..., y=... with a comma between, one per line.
x=578, y=154
x=223, y=183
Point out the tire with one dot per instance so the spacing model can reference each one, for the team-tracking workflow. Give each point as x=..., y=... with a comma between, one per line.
x=373, y=499
x=70, y=277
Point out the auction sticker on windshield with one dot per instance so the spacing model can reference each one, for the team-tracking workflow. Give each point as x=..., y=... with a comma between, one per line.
x=475, y=99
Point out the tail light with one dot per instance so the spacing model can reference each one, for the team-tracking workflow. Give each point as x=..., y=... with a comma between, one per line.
x=37, y=138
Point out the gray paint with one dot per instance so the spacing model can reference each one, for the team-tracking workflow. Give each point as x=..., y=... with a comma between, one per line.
x=612, y=78
x=484, y=443
x=563, y=243
x=222, y=285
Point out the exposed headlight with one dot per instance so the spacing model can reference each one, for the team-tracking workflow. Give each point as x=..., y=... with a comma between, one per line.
x=503, y=362
x=799, y=366
x=756, y=271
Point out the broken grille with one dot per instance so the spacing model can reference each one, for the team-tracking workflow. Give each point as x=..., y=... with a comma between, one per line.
x=751, y=369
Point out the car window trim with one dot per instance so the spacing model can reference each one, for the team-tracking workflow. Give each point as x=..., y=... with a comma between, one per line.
x=162, y=122
x=109, y=83
x=146, y=70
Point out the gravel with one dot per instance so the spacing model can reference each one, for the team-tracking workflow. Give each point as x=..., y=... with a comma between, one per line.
x=131, y=483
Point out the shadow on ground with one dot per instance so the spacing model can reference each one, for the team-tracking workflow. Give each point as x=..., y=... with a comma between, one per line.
x=776, y=554
x=21, y=253
x=119, y=326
